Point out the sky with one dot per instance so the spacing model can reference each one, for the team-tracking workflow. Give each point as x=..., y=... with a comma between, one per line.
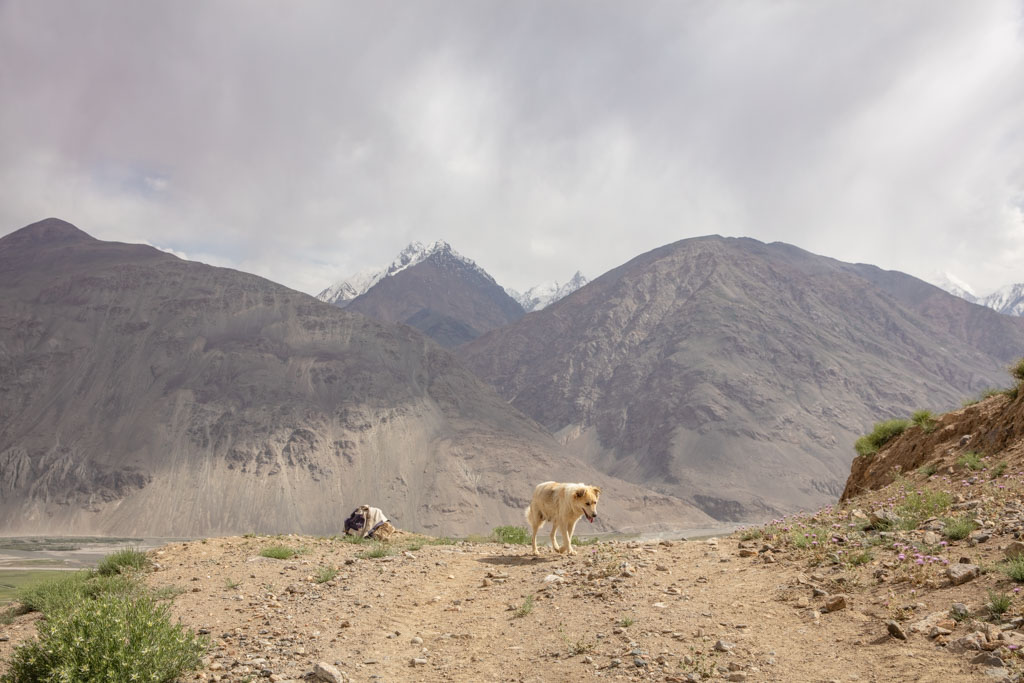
x=304, y=141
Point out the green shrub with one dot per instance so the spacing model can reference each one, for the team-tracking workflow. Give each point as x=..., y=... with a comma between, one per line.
x=1017, y=370
x=999, y=470
x=325, y=574
x=998, y=603
x=111, y=638
x=929, y=469
x=512, y=534
x=128, y=559
x=918, y=506
x=525, y=608
x=279, y=552
x=925, y=420
x=379, y=550
x=971, y=460
x=882, y=433
x=956, y=528
x=1014, y=568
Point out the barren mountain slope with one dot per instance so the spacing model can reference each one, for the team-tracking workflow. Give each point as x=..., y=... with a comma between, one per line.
x=737, y=374
x=447, y=297
x=146, y=395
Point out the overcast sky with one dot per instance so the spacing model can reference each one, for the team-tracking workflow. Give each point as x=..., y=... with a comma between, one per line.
x=304, y=141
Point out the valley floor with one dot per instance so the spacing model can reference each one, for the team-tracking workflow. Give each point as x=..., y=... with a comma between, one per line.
x=657, y=610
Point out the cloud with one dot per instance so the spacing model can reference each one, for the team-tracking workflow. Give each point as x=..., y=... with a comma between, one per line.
x=306, y=141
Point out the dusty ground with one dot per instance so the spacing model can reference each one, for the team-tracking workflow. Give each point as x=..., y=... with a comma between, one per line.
x=621, y=610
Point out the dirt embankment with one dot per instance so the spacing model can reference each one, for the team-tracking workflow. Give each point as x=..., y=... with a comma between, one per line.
x=992, y=429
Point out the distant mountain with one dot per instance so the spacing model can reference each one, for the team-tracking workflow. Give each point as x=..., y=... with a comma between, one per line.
x=737, y=374
x=1008, y=300
x=432, y=288
x=955, y=286
x=542, y=296
x=141, y=394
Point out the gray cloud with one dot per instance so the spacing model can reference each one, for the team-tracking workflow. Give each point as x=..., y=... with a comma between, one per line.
x=304, y=141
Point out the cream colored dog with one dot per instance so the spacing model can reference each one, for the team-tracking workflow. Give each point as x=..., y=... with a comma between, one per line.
x=562, y=505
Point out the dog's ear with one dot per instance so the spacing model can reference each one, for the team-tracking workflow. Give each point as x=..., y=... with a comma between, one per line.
x=596, y=490
x=580, y=493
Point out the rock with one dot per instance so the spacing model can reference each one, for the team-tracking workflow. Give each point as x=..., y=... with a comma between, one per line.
x=803, y=602
x=553, y=578
x=416, y=640
x=932, y=538
x=965, y=439
x=836, y=603
x=327, y=673
x=972, y=641
x=737, y=676
x=724, y=646
x=959, y=611
x=959, y=574
x=882, y=519
x=978, y=536
x=418, y=661
x=1014, y=550
x=639, y=663
x=938, y=631
x=768, y=558
x=929, y=622
x=747, y=552
x=895, y=630
x=987, y=659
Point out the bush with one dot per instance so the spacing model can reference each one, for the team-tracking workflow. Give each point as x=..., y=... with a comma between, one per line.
x=879, y=436
x=112, y=638
x=1017, y=370
x=999, y=470
x=929, y=469
x=325, y=574
x=956, y=528
x=1014, y=568
x=998, y=603
x=925, y=420
x=512, y=534
x=130, y=559
x=279, y=552
x=525, y=608
x=918, y=506
x=971, y=460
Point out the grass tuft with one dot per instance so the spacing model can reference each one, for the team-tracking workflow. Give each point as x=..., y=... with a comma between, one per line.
x=971, y=460
x=998, y=603
x=524, y=608
x=512, y=534
x=882, y=433
x=129, y=559
x=279, y=552
x=957, y=528
x=1014, y=568
x=925, y=420
x=325, y=574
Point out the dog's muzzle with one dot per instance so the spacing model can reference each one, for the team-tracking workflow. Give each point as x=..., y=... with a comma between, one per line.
x=591, y=518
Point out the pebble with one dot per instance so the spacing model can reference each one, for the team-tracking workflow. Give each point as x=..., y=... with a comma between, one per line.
x=724, y=646
x=895, y=630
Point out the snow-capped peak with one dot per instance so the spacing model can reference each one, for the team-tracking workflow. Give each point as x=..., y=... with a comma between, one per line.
x=543, y=295
x=1008, y=299
x=341, y=293
x=954, y=286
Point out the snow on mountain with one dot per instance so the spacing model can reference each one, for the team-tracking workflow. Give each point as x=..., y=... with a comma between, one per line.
x=542, y=296
x=955, y=286
x=1008, y=300
x=341, y=293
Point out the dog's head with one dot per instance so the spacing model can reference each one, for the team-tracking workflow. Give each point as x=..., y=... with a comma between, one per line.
x=586, y=499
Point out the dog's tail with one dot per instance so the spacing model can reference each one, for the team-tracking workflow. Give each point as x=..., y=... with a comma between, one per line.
x=528, y=520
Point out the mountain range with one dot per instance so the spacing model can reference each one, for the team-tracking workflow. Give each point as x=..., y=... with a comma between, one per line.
x=737, y=374
x=1008, y=299
x=443, y=294
x=142, y=394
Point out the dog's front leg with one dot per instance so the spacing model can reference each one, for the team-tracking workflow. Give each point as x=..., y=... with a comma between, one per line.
x=554, y=543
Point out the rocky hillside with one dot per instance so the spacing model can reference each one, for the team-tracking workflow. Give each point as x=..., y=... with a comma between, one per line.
x=146, y=395
x=436, y=290
x=737, y=374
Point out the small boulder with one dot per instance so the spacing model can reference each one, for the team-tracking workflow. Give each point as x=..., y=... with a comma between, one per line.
x=836, y=603
x=327, y=673
x=959, y=574
x=1014, y=550
x=895, y=630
